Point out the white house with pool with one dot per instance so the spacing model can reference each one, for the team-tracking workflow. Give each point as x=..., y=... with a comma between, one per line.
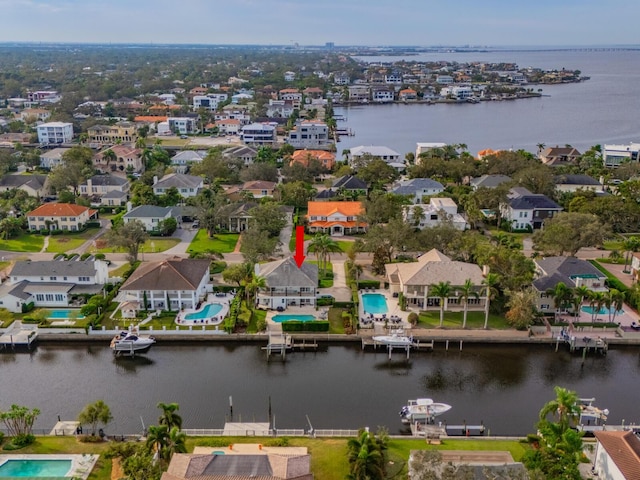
x=286, y=284
x=172, y=284
x=51, y=283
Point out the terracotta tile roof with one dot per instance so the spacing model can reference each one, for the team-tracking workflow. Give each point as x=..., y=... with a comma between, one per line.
x=150, y=118
x=289, y=90
x=229, y=121
x=60, y=210
x=302, y=156
x=331, y=224
x=624, y=449
x=259, y=185
x=323, y=209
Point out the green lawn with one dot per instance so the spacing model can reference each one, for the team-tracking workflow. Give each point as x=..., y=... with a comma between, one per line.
x=23, y=243
x=173, y=142
x=152, y=245
x=292, y=241
x=335, y=320
x=257, y=315
x=326, y=278
x=118, y=272
x=69, y=241
x=220, y=243
x=431, y=319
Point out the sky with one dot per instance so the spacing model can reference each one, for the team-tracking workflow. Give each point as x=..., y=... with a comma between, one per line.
x=315, y=22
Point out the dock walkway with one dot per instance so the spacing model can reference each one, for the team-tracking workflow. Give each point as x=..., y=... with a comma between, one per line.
x=19, y=335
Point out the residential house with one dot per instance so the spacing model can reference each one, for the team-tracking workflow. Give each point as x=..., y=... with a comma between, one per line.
x=348, y=186
x=312, y=93
x=171, y=284
x=289, y=76
x=258, y=134
x=182, y=160
x=126, y=158
x=60, y=216
x=393, y=78
x=335, y=218
x=324, y=158
x=635, y=266
x=571, y=271
x=280, y=108
x=359, y=93
x=424, y=147
x=246, y=96
x=114, y=198
x=527, y=211
x=444, y=79
x=382, y=95
x=292, y=95
x=209, y=101
x=34, y=185
x=45, y=96
x=55, y=133
x=259, y=188
x=407, y=95
x=309, y=134
x=437, y=211
x=414, y=280
x=242, y=461
x=52, y=158
x=418, y=189
x=614, y=155
x=229, y=126
x=341, y=78
x=121, y=132
x=286, y=284
x=151, y=216
x=488, y=181
x=242, y=152
x=187, y=185
x=617, y=455
x=235, y=217
x=100, y=185
x=39, y=114
x=384, y=153
x=51, y=283
x=183, y=125
x=573, y=183
x=558, y=156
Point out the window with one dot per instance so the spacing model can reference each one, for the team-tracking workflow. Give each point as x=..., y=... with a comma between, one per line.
x=53, y=279
x=59, y=297
x=49, y=297
x=64, y=219
x=39, y=297
x=83, y=279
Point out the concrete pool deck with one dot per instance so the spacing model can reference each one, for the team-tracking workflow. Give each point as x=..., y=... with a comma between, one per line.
x=81, y=465
x=212, y=298
x=378, y=319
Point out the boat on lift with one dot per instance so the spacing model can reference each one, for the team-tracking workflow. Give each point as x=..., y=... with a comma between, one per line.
x=422, y=410
x=131, y=342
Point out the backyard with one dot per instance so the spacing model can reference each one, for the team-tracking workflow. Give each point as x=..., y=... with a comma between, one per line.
x=219, y=243
x=25, y=242
x=69, y=241
x=152, y=245
x=431, y=319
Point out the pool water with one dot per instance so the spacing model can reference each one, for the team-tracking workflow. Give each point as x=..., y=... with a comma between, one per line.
x=35, y=468
x=603, y=310
x=374, y=303
x=286, y=318
x=210, y=310
x=64, y=314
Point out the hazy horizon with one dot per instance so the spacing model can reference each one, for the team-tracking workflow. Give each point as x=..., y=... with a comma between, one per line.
x=306, y=22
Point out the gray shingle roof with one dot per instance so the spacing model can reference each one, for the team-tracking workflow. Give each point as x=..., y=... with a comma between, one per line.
x=410, y=187
x=108, y=180
x=148, y=211
x=489, y=181
x=28, y=268
x=350, y=182
x=285, y=273
x=14, y=181
x=563, y=269
x=171, y=274
x=576, y=180
x=178, y=180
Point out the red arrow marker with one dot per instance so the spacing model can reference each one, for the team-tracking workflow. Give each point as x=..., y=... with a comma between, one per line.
x=299, y=256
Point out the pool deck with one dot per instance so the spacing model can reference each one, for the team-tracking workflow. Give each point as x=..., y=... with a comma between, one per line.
x=322, y=313
x=217, y=319
x=379, y=319
x=81, y=465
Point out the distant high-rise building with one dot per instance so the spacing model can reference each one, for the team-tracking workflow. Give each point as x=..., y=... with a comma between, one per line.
x=329, y=45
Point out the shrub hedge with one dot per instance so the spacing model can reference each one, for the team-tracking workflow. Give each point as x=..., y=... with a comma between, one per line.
x=298, y=326
x=368, y=284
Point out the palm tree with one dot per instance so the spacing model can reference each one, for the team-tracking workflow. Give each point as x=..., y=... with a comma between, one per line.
x=109, y=156
x=169, y=416
x=465, y=291
x=442, y=290
x=561, y=295
x=596, y=301
x=158, y=439
x=365, y=458
x=581, y=293
x=355, y=270
x=490, y=282
x=176, y=443
x=614, y=298
x=631, y=244
x=256, y=283
x=323, y=245
x=540, y=147
x=565, y=407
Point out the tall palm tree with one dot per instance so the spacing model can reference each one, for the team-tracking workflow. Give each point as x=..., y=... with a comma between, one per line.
x=442, y=290
x=465, y=292
x=157, y=439
x=615, y=300
x=540, y=147
x=490, y=282
x=365, y=458
x=631, y=244
x=596, y=301
x=561, y=294
x=169, y=416
x=323, y=245
x=564, y=407
x=580, y=292
x=251, y=288
x=176, y=443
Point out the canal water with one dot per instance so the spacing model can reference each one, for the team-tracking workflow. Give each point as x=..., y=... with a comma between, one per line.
x=338, y=387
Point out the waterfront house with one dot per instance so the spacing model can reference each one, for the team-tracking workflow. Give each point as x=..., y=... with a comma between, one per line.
x=241, y=462
x=304, y=157
x=33, y=185
x=292, y=95
x=614, y=155
x=382, y=95
x=425, y=147
x=335, y=218
x=373, y=151
x=51, y=283
x=573, y=183
x=359, y=93
x=474, y=465
x=170, y=284
x=54, y=133
x=52, y=158
x=524, y=210
x=419, y=188
x=187, y=185
x=414, y=280
x=488, y=181
x=617, y=455
x=407, y=95
x=559, y=156
x=60, y=216
x=434, y=213
x=309, y=134
x=571, y=271
x=286, y=284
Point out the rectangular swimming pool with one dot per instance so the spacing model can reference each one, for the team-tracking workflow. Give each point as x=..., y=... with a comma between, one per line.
x=209, y=311
x=62, y=314
x=374, y=303
x=35, y=468
x=287, y=317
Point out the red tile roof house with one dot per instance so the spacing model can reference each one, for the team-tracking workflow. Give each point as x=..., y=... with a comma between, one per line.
x=60, y=216
x=617, y=455
x=326, y=159
x=335, y=218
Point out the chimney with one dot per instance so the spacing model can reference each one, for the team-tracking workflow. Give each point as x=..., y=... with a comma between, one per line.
x=155, y=179
x=485, y=270
x=129, y=206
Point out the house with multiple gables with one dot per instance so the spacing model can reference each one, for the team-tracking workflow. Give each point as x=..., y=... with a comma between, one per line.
x=251, y=189
x=243, y=152
x=34, y=185
x=170, y=284
x=52, y=158
x=125, y=158
x=286, y=284
x=418, y=189
x=571, y=271
x=434, y=213
x=51, y=283
x=335, y=218
x=187, y=185
x=124, y=132
x=60, y=216
x=573, y=183
x=304, y=157
x=100, y=185
x=349, y=186
x=527, y=211
x=489, y=181
x=374, y=151
x=181, y=161
x=559, y=156
x=415, y=279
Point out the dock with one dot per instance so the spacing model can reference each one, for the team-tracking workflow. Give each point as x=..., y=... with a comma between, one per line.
x=19, y=336
x=584, y=344
x=442, y=429
x=414, y=345
x=280, y=344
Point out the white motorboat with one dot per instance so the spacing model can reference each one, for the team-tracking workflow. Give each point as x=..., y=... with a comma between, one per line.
x=131, y=342
x=422, y=410
x=395, y=339
x=591, y=418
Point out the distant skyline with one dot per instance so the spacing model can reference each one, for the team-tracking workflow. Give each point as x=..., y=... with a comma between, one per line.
x=315, y=22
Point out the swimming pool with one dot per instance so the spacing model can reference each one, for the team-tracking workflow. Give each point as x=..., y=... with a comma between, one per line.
x=603, y=310
x=210, y=310
x=35, y=468
x=374, y=303
x=286, y=318
x=62, y=314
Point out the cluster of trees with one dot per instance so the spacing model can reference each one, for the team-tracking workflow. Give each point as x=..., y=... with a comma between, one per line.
x=566, y=297
x=18, y=422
